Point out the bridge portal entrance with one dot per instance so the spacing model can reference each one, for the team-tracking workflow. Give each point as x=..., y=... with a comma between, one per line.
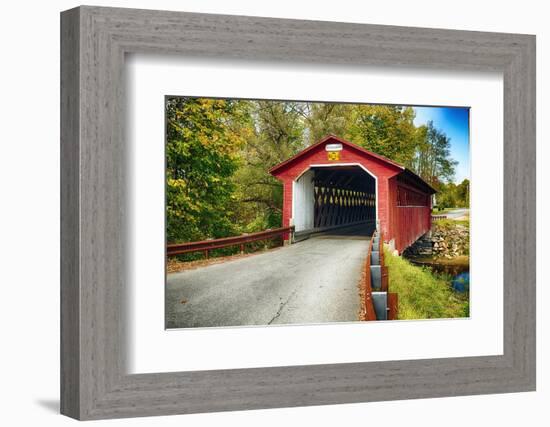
x=334, y=184
x=333, y=196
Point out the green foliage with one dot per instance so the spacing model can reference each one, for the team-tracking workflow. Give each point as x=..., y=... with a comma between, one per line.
x=203, y=142
x=446, y=196
x=451, y=195
x=385, y=130
x=277, y=135
x=325, y=119
x=423, y=294
x=432, y=159
x=219, y=151
x=463, y=193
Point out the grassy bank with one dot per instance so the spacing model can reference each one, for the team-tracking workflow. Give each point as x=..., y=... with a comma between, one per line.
x=450, y=223
x=422, y=294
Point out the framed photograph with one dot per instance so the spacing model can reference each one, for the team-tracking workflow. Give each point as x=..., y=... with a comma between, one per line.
x=347, y=211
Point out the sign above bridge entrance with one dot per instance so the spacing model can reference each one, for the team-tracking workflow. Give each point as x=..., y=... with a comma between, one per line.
x=333, y=152
x=333, y=147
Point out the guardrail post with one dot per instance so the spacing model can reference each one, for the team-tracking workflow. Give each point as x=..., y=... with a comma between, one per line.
x=384, y=279
x=368, y=302
x=392, y=306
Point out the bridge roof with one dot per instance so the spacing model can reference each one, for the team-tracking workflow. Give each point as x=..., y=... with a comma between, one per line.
x=410, y=175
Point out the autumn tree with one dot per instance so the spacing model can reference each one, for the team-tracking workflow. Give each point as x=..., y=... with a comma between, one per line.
x=204, y=139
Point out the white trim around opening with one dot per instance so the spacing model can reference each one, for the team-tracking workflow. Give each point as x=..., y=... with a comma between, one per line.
x=328, y=165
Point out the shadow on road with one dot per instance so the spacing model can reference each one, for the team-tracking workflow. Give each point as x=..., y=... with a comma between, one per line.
x=361, y=232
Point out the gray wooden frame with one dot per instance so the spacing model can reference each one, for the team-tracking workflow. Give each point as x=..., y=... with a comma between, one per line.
x=94, y=382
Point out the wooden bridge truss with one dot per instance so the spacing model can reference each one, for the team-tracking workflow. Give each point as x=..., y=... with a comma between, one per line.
x=343, y=196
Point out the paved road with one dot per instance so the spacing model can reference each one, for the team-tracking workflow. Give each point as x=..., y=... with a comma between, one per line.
x=313, y=281
x=457, y=213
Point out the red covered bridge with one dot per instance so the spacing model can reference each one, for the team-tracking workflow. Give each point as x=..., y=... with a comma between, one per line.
x=335, y=183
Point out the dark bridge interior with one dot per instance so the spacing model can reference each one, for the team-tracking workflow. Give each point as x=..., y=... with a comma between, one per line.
x=343, y=195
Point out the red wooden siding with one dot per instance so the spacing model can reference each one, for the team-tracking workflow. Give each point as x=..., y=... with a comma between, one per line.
x=410, y=215
x=399, y=221
x=318, y=156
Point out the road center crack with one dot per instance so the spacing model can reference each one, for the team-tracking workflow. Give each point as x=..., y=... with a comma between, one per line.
x=282, y=305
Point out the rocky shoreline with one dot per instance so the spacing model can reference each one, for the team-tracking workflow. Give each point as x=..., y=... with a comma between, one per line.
x=445, y=240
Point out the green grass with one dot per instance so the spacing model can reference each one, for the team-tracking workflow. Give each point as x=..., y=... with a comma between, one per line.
x=422, y=294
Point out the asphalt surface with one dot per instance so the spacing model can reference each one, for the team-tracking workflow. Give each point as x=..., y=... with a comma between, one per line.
x=457, y=213
x=313, y=281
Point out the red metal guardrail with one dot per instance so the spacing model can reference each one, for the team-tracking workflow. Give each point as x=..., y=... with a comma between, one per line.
x=392, y=297
x=368, y=306
x=393, y=301
x=207, y=245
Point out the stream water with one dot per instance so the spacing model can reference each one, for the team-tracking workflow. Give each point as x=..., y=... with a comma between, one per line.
x=458, y=269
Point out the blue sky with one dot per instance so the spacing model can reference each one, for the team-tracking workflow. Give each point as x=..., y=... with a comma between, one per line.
x=454, y=122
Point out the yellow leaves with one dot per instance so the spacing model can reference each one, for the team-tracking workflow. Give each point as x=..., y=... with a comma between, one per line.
x=176, y=183
x=203, y=139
